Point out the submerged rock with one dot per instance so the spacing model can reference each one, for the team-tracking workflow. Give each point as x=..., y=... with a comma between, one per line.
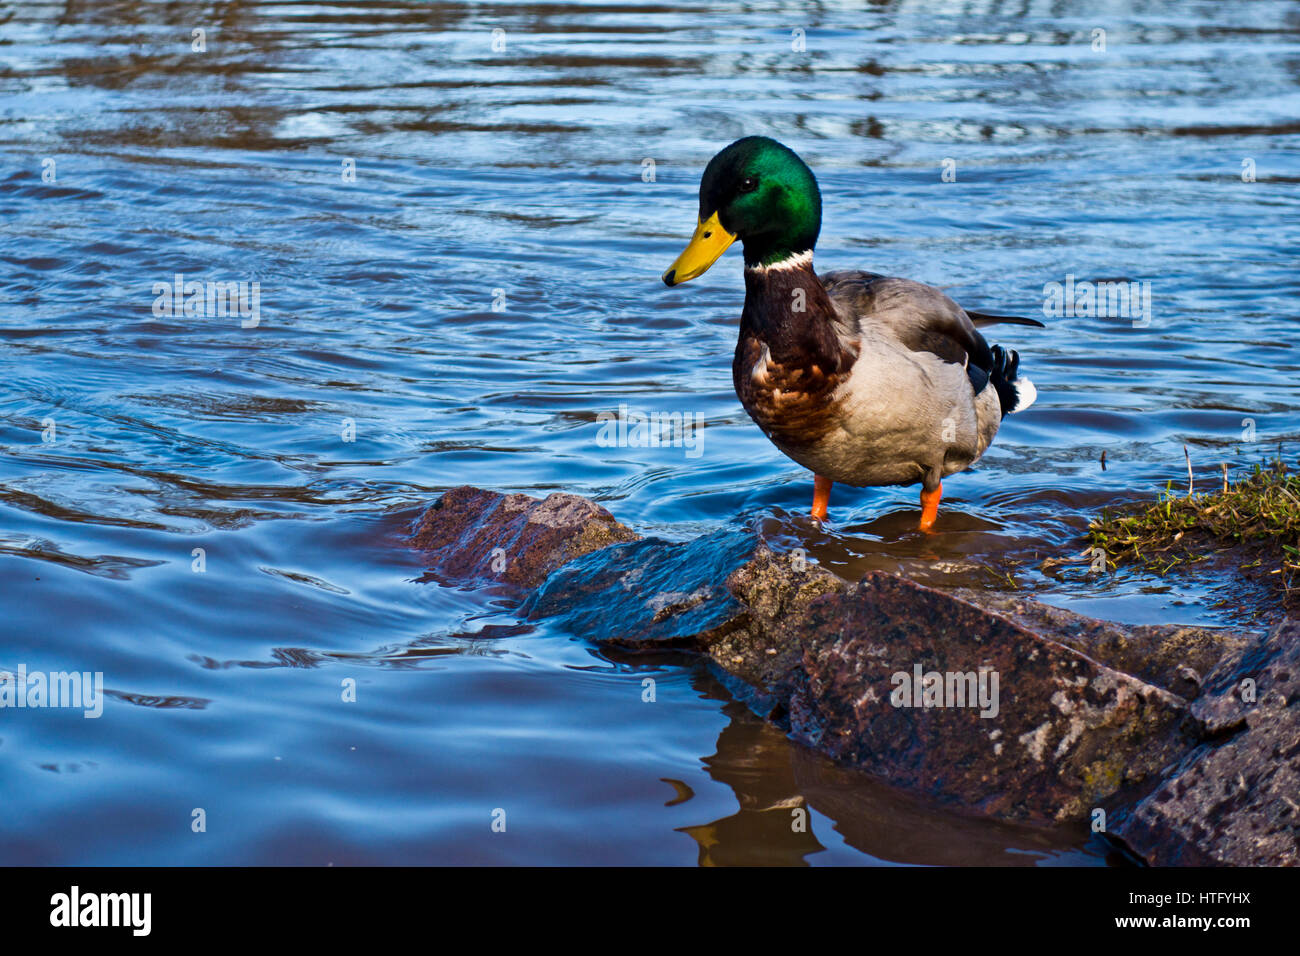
x=647, y=594
x=1000, y=706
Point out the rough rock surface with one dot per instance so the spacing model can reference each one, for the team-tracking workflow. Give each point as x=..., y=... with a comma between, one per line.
x=1062, y=734
x=1174, y=657
x=462, y=531
x=1235, y=799
x=756, y=656
x=1140, y=721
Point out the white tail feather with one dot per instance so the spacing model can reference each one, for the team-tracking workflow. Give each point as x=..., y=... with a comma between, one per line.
x=1025, y=394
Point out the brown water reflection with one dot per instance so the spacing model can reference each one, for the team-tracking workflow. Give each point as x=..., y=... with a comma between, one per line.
x=774, y=780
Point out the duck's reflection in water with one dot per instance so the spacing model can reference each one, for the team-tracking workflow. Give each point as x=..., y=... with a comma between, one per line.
x=787, y=793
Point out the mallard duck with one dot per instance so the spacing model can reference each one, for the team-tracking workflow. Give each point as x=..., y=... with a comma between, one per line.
x=863, y=379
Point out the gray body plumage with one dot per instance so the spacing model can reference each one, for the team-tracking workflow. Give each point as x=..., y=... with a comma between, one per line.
x=909, y=410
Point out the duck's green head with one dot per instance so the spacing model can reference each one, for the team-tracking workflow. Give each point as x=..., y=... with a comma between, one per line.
x=759, y=192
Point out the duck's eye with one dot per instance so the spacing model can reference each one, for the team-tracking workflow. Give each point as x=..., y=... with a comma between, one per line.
x=748, y=184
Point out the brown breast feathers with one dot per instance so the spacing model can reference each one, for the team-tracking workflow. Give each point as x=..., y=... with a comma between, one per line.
x=790, y=358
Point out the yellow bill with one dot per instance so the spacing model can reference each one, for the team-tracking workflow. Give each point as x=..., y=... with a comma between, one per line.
x=709, y=242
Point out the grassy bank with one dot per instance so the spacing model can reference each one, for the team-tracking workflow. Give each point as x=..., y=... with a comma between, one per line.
x=1257, y=516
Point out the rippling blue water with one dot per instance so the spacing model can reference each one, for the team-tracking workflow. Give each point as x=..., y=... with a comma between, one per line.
x=485, y=288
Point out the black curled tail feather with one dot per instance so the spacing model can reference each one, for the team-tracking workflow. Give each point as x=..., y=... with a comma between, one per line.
x=1006, y=363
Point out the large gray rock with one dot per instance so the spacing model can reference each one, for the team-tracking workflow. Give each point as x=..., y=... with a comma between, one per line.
x=1236, y=798
x=1058, y=735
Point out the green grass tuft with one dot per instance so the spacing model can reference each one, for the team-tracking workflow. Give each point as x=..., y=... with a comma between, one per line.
x=1261, y=508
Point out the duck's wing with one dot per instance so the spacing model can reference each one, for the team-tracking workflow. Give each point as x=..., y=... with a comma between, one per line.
x=916, y=316
x=922, y=319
